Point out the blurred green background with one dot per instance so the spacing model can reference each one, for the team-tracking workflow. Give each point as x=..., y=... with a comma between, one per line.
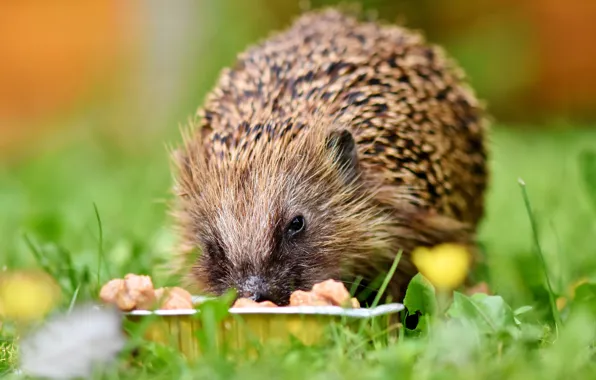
x=92, y=93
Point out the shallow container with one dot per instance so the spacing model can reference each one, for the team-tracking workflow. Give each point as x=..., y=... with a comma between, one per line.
x=274, y=325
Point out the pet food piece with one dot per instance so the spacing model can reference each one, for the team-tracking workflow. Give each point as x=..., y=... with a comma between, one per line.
x=140, y=290
x=125, y=301
x=334, y=291
x=302, y=298
x=266, y=304
x=114, y=292
x=109, y=292
x=173, y=298
x=326, y=293
x=132, y=292
x=245, y=302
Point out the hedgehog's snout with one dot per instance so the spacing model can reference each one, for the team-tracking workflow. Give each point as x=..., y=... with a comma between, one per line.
x=256, y=289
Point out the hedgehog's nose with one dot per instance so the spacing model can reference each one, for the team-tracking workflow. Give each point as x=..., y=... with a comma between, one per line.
x=256, y=289
x=257, y=297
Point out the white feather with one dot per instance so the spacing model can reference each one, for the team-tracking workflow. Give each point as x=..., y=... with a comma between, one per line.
x=71, y=345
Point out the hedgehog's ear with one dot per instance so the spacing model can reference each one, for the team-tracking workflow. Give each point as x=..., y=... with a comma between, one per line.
x=342, y=144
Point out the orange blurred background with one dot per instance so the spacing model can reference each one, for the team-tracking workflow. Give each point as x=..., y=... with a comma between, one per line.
x=54, y=55
x=144, y=65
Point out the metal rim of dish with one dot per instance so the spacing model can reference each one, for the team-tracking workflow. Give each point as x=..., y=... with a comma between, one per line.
x=302, y=310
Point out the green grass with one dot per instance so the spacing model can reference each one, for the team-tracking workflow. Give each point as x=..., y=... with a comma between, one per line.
x=89, y=206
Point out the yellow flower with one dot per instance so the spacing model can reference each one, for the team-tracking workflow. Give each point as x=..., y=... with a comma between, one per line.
x=575, y=285
x=445, y=265
x=561, y=302
x=570, y=295
x=27, y=296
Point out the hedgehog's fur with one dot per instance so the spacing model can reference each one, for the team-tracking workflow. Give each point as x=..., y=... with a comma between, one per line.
x=273, y=143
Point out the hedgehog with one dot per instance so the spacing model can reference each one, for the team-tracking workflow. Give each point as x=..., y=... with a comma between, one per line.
x=324, y=152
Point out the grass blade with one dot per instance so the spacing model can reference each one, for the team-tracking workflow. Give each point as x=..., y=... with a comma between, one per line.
x=100, y=247
x=551, y=294
x=39, y=257
x=73, y=300
x=383, y=287
x=355, y=285
x=387, y=279
x=68, y=264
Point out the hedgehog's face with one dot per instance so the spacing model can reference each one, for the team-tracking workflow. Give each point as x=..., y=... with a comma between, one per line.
x=267, y=256
x=270, y=229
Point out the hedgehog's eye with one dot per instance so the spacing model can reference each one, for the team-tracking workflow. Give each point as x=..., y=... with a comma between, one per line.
x=295, y=226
